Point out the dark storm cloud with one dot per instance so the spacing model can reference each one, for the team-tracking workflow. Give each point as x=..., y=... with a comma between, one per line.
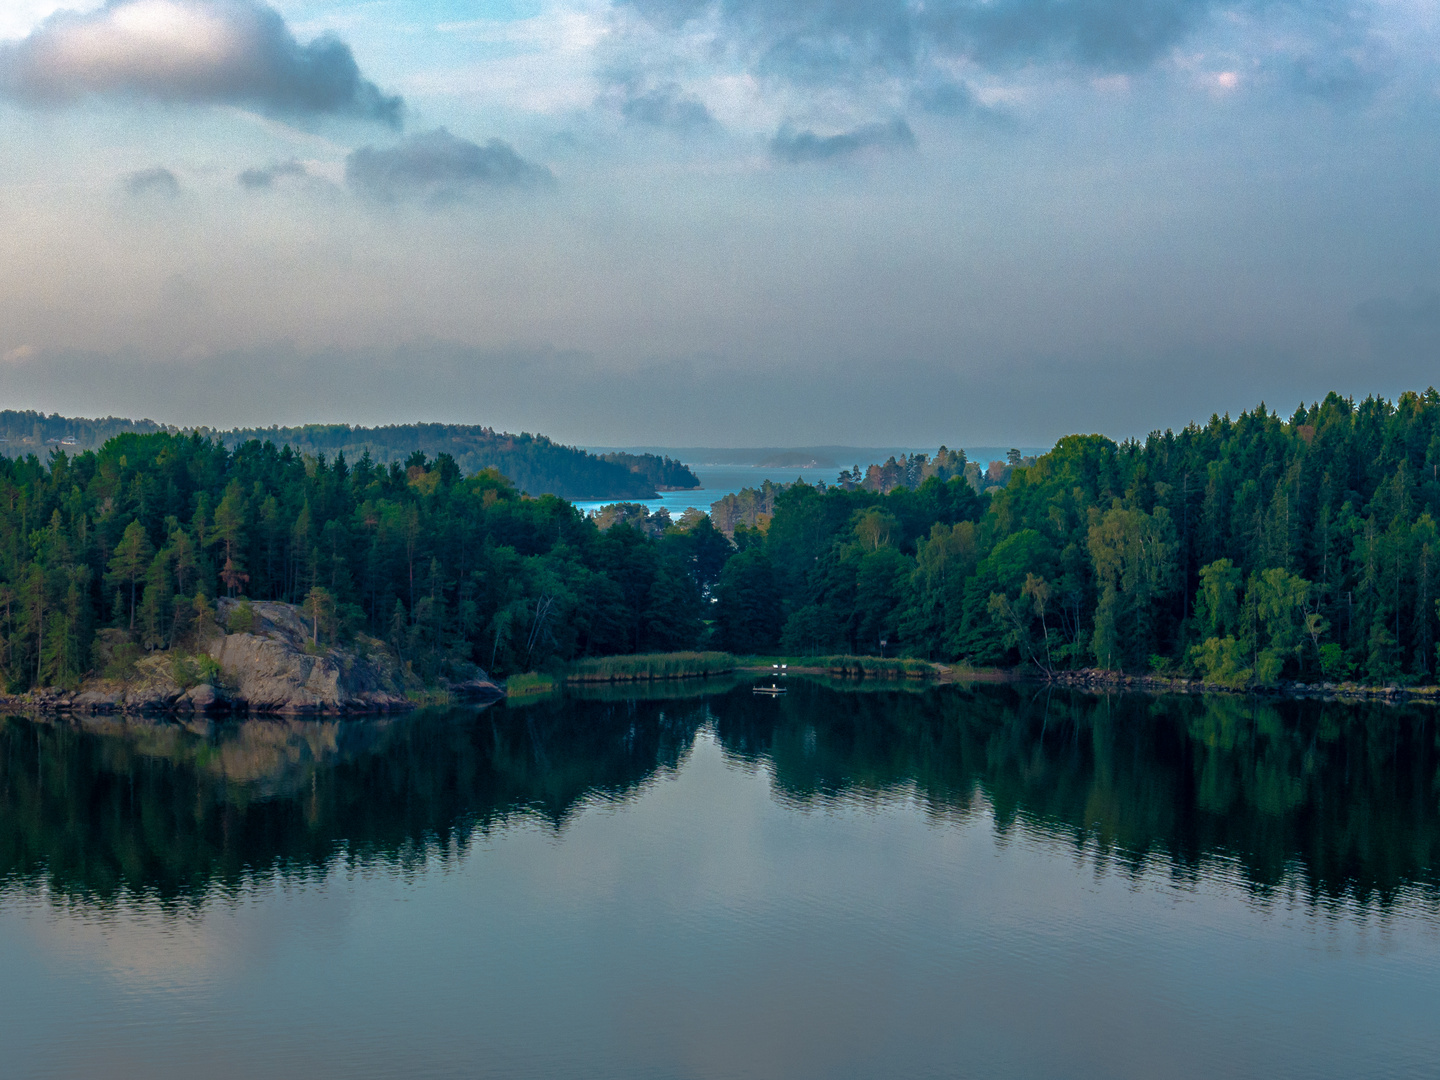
x=262, y=179
x=157, y=181
x=191, y=51
x=668, y=106
x=436, y=168
x=798, y=147
x=825, y=39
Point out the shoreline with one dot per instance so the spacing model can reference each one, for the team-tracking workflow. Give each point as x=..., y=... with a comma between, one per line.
x=1097, y=681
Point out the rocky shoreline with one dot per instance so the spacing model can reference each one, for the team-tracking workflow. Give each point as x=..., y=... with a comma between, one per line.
x=1094, y=680
x=270, y=667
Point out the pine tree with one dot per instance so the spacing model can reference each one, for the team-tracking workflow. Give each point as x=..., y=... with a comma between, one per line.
x=130, y=561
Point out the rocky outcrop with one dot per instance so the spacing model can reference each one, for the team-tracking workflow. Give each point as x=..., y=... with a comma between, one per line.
x=270, y=669
x=270, y=666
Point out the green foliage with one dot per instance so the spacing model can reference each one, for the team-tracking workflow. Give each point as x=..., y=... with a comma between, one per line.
x=1221, y=660
x=1217, y=603
x=121, y=664
x=1255, y=549
x=193, y=670
x=1135, y=567
x=143, y=534
x=748, y=508
x=912, y=471
x=1333, y=664
x=663, y=473
x=530, y=684
x=533, y=463
x=242, y=618
x=636, y=515
x=747, y=604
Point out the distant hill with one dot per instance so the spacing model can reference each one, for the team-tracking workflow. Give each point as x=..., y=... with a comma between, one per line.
x=24, y=433
x=802, y=457
x=534, y=463
x=798, y=459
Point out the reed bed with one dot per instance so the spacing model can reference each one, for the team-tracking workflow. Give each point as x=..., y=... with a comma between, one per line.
x=530, y=684
x=647, y=667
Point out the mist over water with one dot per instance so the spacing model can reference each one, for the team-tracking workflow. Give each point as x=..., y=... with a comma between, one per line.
x=835, y=883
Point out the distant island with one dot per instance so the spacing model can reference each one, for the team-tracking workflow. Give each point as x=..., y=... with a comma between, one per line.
x=664, y=473
x=535, y=464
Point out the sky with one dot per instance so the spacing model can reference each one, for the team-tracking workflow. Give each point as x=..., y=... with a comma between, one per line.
x=717, y=222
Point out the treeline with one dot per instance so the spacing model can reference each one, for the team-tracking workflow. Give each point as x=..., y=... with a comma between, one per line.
x=535, y=464
x=663, y=473
x=142, y=535
x=910, y=472
x=754, y=507
x=1248, y=550
x=31, y=432
x=746, y=508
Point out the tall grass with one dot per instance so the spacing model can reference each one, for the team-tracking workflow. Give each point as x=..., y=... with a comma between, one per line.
x=530, y=684
x=649, y=666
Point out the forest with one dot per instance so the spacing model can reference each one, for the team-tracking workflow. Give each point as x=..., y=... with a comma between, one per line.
x=534, y=463
x=1243, y=551
x=145, y=533
x=664, y=473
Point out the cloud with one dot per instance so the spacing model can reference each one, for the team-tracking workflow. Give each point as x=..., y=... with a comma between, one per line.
x=668, y=106
x=1107, y=35
x=946, y=99
x=798, y=147
x=820, y=39
x=437, y=168
x=156, y=181
x=236, y=52
x=261, y=179
x=868, y=50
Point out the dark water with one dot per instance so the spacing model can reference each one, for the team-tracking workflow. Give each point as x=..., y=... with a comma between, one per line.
x=865, y=884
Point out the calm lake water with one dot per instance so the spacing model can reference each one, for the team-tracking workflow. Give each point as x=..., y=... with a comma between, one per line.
x=719, y=480
x=989, y=882
x=716, y=482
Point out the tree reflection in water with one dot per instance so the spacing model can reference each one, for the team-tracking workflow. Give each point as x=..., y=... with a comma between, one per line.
x=1341, y=802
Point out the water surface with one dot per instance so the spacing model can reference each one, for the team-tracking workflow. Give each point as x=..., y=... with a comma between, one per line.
x=945, y=882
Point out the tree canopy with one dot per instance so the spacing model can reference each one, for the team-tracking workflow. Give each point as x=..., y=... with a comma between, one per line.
x=1246, y=551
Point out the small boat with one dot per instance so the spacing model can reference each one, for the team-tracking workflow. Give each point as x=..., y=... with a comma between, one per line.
x=769, y=691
